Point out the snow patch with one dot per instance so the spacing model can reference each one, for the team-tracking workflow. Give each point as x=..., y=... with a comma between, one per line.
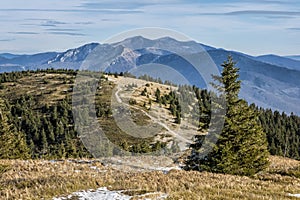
x=165, y=170
x=101, y=193
x=104, y=194
x=294, y=195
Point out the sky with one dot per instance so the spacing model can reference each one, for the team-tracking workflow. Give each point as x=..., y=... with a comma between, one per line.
x=254, y=27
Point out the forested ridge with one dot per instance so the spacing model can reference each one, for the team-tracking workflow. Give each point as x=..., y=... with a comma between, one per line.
x=37, y=105
x=44, y=117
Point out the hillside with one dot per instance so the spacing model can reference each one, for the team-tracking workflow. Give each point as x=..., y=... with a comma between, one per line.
x=269, y=81
x=40, y=106
x=139, y=116
x=287, y=62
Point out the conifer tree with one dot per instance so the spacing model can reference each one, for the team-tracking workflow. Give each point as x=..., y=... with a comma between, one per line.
x=12, y=142
x=241, y=148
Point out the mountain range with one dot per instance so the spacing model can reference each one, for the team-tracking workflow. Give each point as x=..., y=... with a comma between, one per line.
x=269, y=81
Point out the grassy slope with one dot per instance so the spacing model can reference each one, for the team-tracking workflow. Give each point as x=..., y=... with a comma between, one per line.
x=47, y=87
x=35, y=179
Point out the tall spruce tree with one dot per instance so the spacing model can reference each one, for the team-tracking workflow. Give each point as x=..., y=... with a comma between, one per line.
x=12, y=142
x=241, y=148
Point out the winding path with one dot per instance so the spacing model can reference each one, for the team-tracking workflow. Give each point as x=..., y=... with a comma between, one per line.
x=155, y=120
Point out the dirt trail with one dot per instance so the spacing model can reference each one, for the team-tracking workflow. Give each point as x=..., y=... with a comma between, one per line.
x=182, y=141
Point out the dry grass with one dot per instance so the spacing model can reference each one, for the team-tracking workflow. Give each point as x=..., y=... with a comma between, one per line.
x=47, y=87
x=36, y=179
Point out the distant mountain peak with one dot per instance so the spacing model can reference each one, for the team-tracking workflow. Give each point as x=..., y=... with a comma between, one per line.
x=74, y=55
x=269, y=80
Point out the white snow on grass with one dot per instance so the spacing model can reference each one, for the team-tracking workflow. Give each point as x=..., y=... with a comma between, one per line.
x=101, y=193
x=165, y=170
x=126, y=164
x=104, y=194
x=294, y=195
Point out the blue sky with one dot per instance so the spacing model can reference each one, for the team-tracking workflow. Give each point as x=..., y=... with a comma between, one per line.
x=254, y=27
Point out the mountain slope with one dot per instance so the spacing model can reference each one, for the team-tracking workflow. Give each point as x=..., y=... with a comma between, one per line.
x=264, y=84
x=74, y=55
x=295, y=57
x=8, y=55
x=280, y=61
x=70, y=59
x=269, y=81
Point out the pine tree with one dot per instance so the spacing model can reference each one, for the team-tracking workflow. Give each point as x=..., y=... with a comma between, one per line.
x=241, y=148
x=12, y=142
x=178, y=117
x=157, y=96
